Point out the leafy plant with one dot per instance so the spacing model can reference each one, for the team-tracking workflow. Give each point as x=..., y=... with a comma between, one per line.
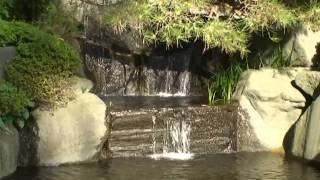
x=14, y=104
x=222, y=85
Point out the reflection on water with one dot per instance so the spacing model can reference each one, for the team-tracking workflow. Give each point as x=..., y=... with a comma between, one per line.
x=134, y=102
x=240, y=166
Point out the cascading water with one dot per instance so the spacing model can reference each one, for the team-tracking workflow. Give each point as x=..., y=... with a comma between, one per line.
x=167, y=75
x=176, y=141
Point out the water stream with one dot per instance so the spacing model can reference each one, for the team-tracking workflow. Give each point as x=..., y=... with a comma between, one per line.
x=157, y=75
x=176, y=141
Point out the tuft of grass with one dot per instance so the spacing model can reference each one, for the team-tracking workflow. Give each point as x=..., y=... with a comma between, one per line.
x=223, y=84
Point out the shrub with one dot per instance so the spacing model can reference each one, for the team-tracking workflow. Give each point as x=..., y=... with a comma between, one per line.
x=44, y=62
x=14, y=104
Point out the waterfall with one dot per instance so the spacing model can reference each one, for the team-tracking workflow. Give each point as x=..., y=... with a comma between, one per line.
x=166, y=75
x=176, y=140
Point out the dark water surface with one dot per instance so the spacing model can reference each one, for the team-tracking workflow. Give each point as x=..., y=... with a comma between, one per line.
x=240, y=166
x=135, y=102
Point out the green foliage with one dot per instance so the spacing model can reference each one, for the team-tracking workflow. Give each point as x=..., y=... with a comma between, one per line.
x=222, y=85
x=311, y=15
x=44, y=62
x=171, y=22
x=221, y=34
x=30, y=10
x=268, y=15
x=14, y=104
x=217, y=23
x=25, y=10
x=60, y=21
x=6, y=7
x=124, y=14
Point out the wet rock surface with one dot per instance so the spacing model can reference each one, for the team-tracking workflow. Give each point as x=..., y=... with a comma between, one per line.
x=139, y=132
x=165, y=74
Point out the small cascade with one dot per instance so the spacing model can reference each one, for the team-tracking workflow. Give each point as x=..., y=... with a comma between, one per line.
x=174, y=132
x=176, y=141
x=165, y=75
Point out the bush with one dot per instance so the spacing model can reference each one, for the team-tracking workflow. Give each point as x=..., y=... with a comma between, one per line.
x=44, y=62
x=14, y=104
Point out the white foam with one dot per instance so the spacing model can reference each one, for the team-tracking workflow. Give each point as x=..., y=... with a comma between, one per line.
x=172, y=156
x=164, y=94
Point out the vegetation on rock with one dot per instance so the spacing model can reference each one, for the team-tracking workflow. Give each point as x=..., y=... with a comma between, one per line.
x=14, y=104
x=44, y=62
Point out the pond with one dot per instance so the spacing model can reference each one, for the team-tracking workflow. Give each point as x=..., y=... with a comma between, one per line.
x=237, y=166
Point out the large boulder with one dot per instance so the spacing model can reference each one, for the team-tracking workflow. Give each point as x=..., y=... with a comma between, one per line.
x=301, y=46
x=309, y=82
x=74, y=133
x=303, y=139
x=9, y=150
x=272, y=104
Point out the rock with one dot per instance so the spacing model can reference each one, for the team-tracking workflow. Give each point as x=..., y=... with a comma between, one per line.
x=75, y=133
x=301, y=47
x=303, y=139
x=9, y=150
x=6, y=54
x=309, y=82
x=271, y=103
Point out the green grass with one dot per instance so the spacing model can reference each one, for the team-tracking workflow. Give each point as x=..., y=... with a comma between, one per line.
x=223, y=84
